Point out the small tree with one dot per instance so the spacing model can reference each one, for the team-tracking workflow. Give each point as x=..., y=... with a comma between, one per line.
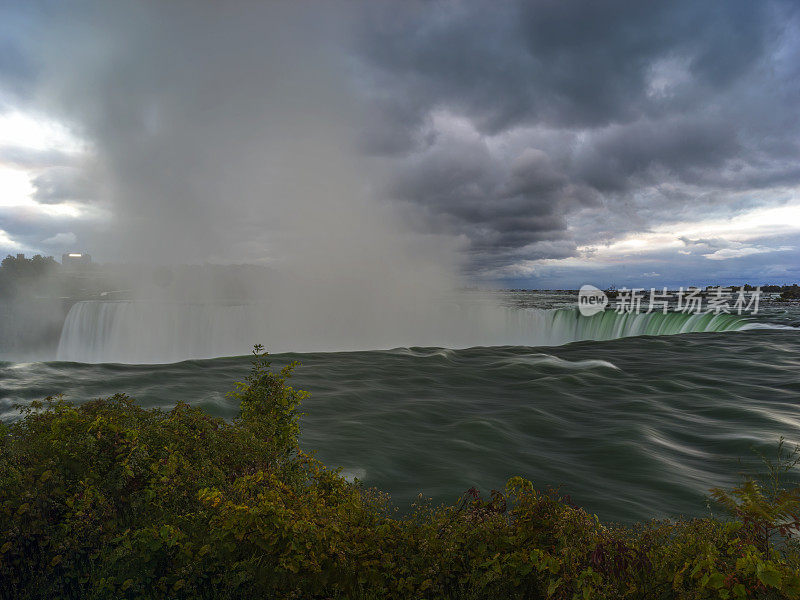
x=269, y=406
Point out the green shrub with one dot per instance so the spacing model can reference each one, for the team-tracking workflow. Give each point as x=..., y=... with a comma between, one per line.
x=109, y=500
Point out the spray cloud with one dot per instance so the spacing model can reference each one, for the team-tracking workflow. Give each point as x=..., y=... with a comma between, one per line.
x=226, y=134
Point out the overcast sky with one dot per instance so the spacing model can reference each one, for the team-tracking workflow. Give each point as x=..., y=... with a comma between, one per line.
x=546, y=143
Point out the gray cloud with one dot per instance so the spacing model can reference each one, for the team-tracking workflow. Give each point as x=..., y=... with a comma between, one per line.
x=65, y=238
x=648, y=112
x=503, y=207
x=33, y=231
x=60, y=184
x=567, y=64
x=526, y=129
x=28, y=158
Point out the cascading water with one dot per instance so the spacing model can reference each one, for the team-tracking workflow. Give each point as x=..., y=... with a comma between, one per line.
x=150, y=332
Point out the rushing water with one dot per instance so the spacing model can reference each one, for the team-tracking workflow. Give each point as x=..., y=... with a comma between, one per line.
x=143, y=332
x=632, y=428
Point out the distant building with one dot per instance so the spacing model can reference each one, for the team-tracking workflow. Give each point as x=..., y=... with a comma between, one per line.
x=76, y=259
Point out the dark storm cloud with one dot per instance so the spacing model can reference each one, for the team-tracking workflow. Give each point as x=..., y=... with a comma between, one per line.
x=563, y=63
x=627, y=156
x=527, y=128
x=645, y=110
x=502, y=206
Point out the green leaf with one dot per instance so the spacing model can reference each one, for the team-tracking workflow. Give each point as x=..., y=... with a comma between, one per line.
x=716, y=581
x=768, y=575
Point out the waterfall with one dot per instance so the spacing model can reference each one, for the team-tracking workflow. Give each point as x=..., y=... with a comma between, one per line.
x=151, y=332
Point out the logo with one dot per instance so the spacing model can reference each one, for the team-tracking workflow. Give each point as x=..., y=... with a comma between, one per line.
x=591, y=300
x=691, y=300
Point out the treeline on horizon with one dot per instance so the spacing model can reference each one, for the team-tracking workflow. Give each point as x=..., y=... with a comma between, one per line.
x=43, y=277
x=110, y=500
x=39, y=277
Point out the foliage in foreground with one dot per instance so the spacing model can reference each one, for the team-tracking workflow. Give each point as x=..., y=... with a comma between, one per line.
x=109, y=500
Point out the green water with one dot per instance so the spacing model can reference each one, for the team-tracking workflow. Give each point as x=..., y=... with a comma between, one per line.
x=631, y=428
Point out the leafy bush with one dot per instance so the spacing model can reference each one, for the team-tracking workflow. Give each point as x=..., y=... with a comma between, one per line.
x=767, y=507
x=109, y=500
